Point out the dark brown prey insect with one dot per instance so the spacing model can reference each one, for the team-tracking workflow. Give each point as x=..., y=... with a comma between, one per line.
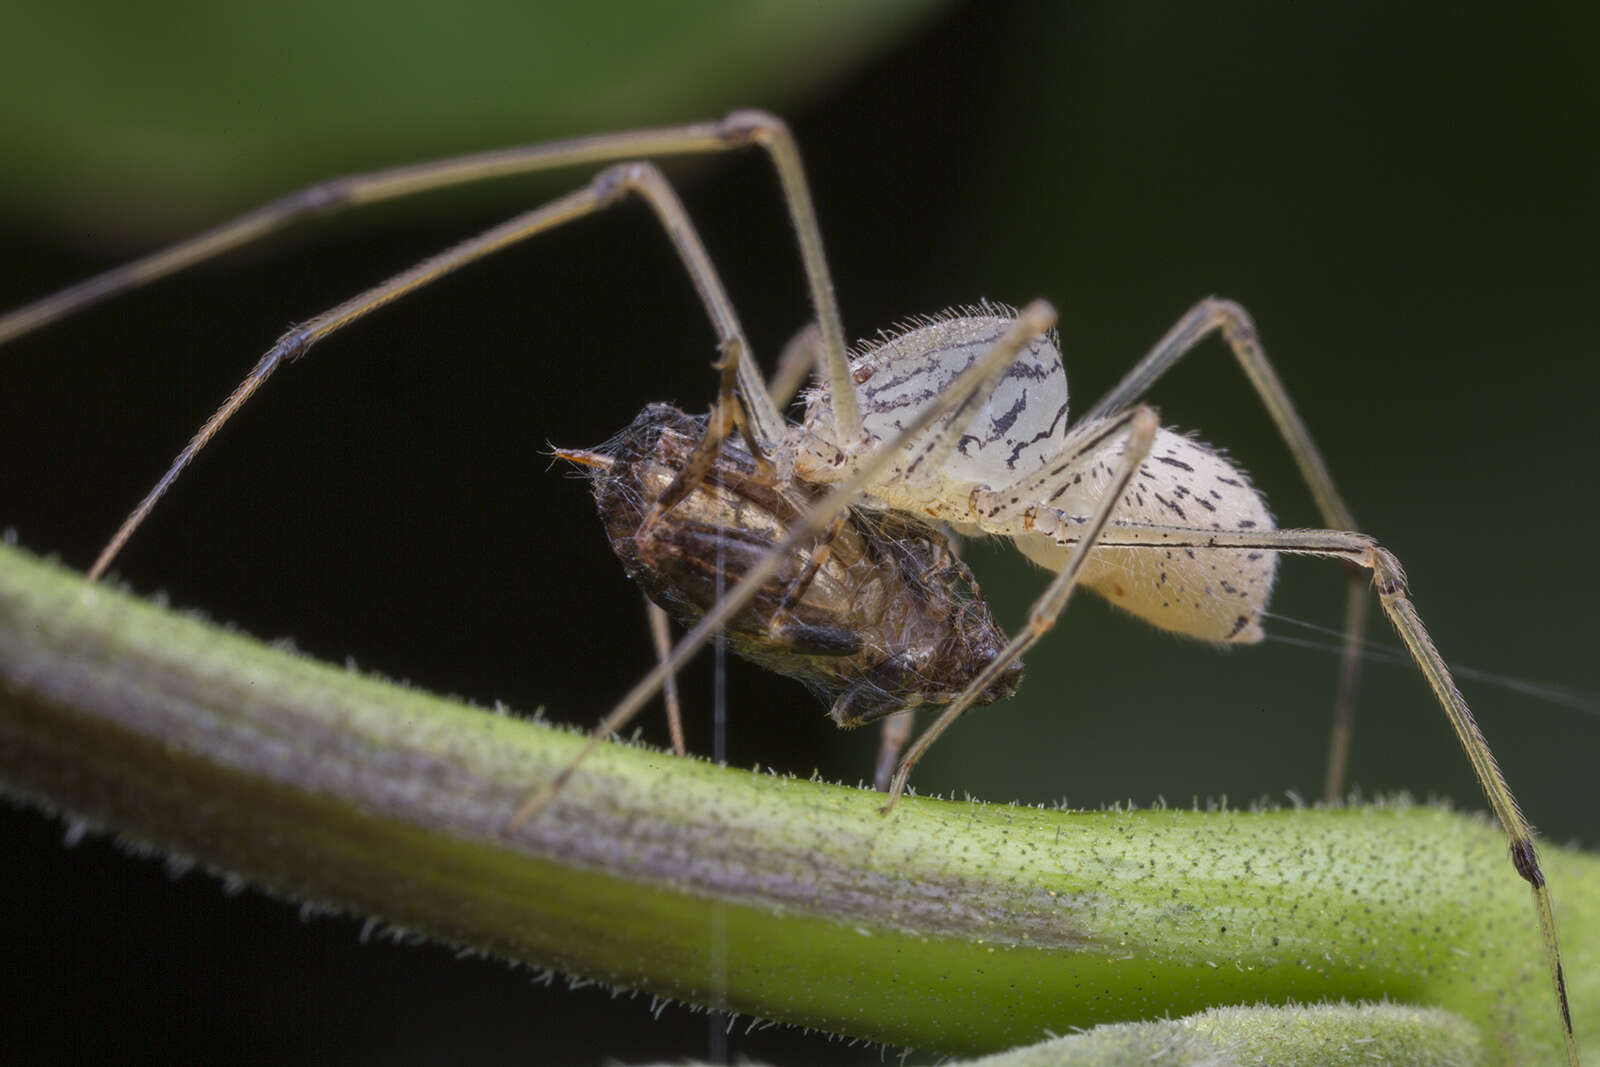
x=876, y=617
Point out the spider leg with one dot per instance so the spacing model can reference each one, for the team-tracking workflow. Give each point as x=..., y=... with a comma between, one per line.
x=803, y=352
x=1140, y=425
x=606, y=189
x=794, y=364
x=1215, y=315
x=1388, y=578
x=661, y=638
x=895, y=732
x=1032, y=321
x=726, y=415
x=736, y=130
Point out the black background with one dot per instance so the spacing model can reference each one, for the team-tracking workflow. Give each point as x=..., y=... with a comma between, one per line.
x=1406, y=200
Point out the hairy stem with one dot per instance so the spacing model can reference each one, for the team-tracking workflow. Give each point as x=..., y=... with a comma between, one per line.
x=957, y=926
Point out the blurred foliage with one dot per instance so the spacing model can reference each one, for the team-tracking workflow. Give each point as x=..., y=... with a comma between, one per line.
x=189, y=109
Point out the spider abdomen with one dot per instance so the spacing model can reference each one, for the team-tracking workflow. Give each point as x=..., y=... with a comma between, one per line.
x=1213, y=594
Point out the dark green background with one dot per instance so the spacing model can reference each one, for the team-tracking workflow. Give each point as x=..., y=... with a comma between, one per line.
x=1408, y=201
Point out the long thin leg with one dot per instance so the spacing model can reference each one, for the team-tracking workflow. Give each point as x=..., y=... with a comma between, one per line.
x=738, y=129
x=803, y=352
x=1032, y=322
x=655, y=618
x=1389, y=580
x=661, y=638
x=894, y=734
x=821, y=552
x=725, y=416
x=1344, y=699
x=1140, y=425
x=796, y=361
x=607, y=188
x=1206, y=317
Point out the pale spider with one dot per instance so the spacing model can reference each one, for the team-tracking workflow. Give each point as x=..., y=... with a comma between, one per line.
x=961, y=419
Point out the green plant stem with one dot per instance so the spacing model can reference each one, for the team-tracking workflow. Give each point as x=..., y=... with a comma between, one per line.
x=958, y=926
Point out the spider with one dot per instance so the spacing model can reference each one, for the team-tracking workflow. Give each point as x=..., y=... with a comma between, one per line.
x=961, y=419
